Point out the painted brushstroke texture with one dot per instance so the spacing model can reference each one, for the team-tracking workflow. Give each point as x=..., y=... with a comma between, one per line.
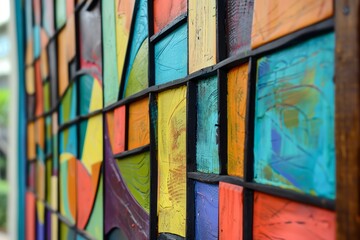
x=236, y=104
x=139, y=134
x=136, y=174
x=276, y=18
x=165, y=11
x=239, y=15
x=171, y=56
x=111, y=84
x=121, y=209
x=294, y=119
x=138, y=77
x=90, y=40
x=124, y=10
x=230, y=211
x=207, y=153
x=172, y=161
x=67, y=110
x=206, y=211
x=277, y=218
x=140, y=34
x=202, y=34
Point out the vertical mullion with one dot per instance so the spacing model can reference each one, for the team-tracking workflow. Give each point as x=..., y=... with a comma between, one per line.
x=249, y=154
x=153, y=127
x=220, y=30
x=151, y=56
x=191, y=119
x=104, y=124
x=222, y=121
x=153, y=167
x=248, y=205
x=249, y=125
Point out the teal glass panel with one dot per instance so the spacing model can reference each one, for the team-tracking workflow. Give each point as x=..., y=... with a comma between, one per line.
x=294, y=118
x=207, y=153
x=171, y=56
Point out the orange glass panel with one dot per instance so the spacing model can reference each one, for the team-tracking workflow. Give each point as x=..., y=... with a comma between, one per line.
x=30, y=216
x=276, y=18
x=278, y=218
x=110, y=127
x=166, y=11
x=230, y=211
x=237, y=99
x=138, y=124
x=63, y=67
x=40, y=132
x=31, y=141
x=119, y=129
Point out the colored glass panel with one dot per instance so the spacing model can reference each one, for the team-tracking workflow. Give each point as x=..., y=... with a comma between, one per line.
x=206, y=209
x=165, y=11
x=68, y=106
x=230, y=211
x=291, y=220
x=90, y=40
x=168, y=67
x=239, y=15
x=139, y=134
x=88, y=169
x=294, y=120
x=202, y=34
x=111, y=77
x=172, y=161
x=236, y=103
x=207, y=152
x=119, y=129
x=274, y=19
x=135, y=171
x=124, y=11
x=90, y=94
x=139, y=39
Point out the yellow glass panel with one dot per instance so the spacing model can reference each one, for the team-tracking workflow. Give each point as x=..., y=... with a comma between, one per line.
x=172, y=161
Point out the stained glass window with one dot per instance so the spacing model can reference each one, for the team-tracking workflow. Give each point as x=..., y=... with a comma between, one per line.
x=178, y=119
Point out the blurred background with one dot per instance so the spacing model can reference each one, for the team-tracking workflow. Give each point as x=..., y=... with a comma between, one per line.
x=4, y=106
x=7, y=53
